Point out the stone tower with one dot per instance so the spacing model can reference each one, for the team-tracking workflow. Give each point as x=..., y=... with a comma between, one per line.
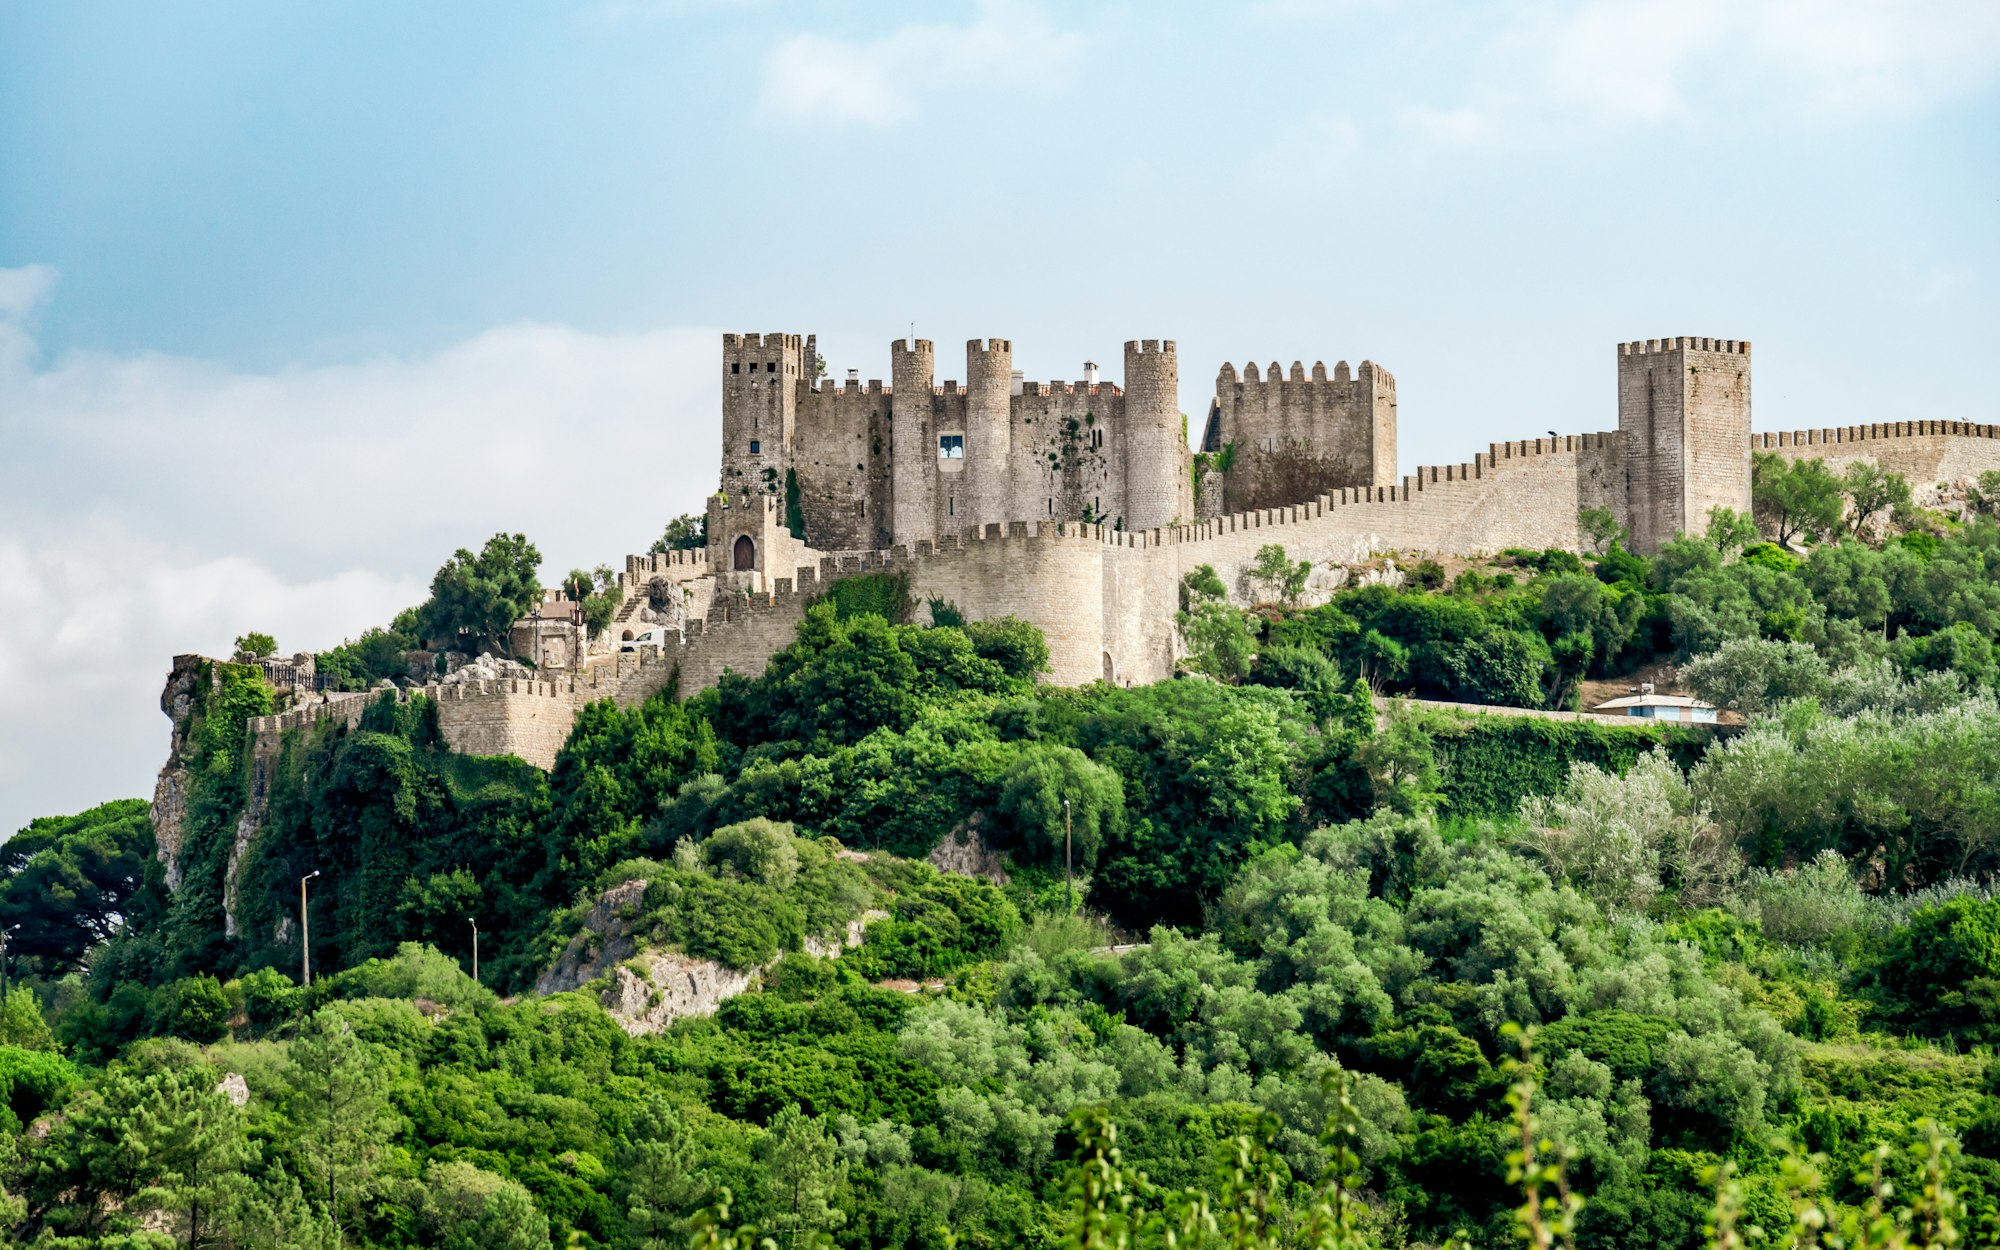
x=760, y=383
x=913, y=366
x=989, y=376
x=1684, y=418
x=1157, y=487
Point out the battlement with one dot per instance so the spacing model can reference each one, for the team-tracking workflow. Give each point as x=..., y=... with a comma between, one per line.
x=984, y=347
x=1688, y=343
x=1837, y=435
x=734, y=346
x=1149, y=347
x=852, y=386
x=1341, y=374
x=912, y=347
x=1045, y=389
x=1498, y=457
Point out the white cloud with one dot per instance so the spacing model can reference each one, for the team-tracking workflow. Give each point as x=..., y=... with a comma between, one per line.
x=1554, y=71
x=877, y=82
x=152, y=504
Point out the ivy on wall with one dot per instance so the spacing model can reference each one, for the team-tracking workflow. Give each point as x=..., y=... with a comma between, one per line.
x=1488, y=764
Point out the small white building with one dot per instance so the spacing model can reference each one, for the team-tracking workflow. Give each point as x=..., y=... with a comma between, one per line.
x=1677, y=707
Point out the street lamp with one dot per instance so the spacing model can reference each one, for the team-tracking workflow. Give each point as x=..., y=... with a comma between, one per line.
x=305, y=931
x=475, y=946
x=4, y=935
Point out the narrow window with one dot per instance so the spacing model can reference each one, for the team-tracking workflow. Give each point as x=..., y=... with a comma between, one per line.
x=756, y=448
x=1052, y=507
x=770, y=366
x=736, y=366
x=951, y=505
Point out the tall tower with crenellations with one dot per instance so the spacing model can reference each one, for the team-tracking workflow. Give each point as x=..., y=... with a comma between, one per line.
x=1684, y=419
x=989, y=373
x=761, y=374
x=1158, y=489
x=913, y=479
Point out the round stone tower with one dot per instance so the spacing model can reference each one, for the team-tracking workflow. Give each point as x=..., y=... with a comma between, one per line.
x=989, y=407
x=1156, y=455
x=913, y=453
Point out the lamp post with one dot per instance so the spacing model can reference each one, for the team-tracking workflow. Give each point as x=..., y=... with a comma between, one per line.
x=305, y=932
x=4, y=935
x=475, y=947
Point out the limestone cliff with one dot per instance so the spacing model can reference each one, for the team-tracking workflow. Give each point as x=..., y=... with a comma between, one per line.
x=647, y=990
x=170, y=792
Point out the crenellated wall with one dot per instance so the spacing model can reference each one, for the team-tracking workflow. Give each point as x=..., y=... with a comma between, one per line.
x=1929, y=454
x=1089, y=463
x=1344, y=425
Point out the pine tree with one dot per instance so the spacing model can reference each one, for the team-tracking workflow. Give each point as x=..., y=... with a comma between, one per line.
x=340, y=1105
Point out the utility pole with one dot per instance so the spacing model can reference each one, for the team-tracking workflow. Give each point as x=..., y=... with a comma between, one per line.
x=305, y=932
x=1069, y=881
x=475, y=947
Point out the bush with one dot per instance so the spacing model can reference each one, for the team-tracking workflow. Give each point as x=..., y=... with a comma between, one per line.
x=1940, y=973
x=756, y=850
x=195, y=1008
x=1041, y=778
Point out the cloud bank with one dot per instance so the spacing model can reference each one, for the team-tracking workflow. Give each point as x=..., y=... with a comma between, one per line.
x=151, y=505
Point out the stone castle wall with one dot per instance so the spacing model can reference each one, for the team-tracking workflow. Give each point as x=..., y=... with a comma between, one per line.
x=1347, y=421
x=1928, y=453
x=1106, y=599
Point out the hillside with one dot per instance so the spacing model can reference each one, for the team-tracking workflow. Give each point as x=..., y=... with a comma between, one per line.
x=1316, y=962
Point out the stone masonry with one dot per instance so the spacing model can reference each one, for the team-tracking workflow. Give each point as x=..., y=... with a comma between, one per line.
x=1049, y=529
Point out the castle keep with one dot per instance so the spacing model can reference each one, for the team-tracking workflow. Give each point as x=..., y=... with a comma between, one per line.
x=1079, y=506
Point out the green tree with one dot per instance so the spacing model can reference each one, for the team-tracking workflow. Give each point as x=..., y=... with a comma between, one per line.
x=21, y=1021
x=656, y=1170
x=686, y=532
x=804, y=1179
x=1600, y=527
x=338, y=1105
x=1032, y=795
x=475, y=599
x=597, y=591
x=756, y=850
x=1940, y=973
x=68, y=882
x=1794, y=498
x=1872, y=490
x=465, y=1207
x=254, y=646
x=1729, y=530
x=1281, y=576
x=196, y=1008
x=1753, y=675
x=1401, y=762
x=144, y=1143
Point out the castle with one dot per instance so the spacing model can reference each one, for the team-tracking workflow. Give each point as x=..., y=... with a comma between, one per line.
x=1080, y=506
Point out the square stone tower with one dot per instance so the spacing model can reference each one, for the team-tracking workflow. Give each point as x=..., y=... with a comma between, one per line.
x=1684, y=416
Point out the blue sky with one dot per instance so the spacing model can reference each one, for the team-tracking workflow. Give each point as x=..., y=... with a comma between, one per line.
x=296, y=298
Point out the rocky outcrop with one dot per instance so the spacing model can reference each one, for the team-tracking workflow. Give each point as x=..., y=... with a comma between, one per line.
x=604, y=940
x=645, y=991
x=169, y=810
x=651, y=991
x=487, y=668
x=964, y=851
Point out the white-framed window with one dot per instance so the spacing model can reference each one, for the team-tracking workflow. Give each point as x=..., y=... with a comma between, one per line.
x=951, y=446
